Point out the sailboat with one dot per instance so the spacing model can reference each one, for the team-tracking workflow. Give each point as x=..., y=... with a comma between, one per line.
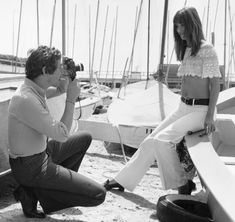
x=132, y=118
x=214, y=160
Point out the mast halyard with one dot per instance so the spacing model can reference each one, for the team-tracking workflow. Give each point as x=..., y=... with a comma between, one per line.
x=160, y=74
x=148, y=44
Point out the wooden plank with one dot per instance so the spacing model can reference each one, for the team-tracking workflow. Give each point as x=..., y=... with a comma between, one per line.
x=217, y=178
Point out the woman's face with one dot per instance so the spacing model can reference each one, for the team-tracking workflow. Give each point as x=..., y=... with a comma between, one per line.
x=182, y=32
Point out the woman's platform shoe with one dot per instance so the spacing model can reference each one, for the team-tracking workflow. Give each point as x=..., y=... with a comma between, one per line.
x=187, y=188
x=109, y=186
x=28, y=202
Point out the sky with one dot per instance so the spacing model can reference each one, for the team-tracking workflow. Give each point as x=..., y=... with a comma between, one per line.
x=114, y=55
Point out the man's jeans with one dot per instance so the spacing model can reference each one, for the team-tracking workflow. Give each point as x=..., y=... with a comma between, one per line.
x=53, y=175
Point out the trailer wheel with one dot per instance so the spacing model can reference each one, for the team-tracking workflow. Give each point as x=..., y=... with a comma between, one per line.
x=182, y=208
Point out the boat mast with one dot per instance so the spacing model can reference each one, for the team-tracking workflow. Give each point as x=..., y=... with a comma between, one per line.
x=110, y=48
x=160, y=68
x=37, y=22
x=213, y=32
x=225, y=36
x=114, y=47
x=160, y=74
x=74, y=28
x=13, y=41
x=135, y=27
x=232, y=43
x=146, y=85
x=134, y=38
x=123, y=79
x=207, y=19
x=18, y=38
x=90, y=43
x=63, y=30
x=94, y=43
x=52, y=23
x=104, y=35
x=67, y=26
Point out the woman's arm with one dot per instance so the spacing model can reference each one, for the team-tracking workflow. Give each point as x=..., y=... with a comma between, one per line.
x=214, y=88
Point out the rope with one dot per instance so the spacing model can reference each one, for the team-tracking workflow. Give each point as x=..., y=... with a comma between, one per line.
x=120, y=138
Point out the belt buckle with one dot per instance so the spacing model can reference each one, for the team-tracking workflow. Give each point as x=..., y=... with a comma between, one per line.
x=193, y=102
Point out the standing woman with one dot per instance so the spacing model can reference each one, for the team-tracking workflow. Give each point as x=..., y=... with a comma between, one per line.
x=200, y=74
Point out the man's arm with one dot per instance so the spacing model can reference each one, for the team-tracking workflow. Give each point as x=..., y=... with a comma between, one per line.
x=73, y=92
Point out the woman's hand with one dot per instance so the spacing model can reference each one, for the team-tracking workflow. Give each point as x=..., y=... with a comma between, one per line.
x=209, y=124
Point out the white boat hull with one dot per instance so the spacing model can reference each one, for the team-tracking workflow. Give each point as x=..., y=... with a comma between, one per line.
x=83, y=110
x=214, y=160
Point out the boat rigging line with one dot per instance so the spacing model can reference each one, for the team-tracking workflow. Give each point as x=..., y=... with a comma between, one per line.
x=52, y=23
x=110, y=47
x=94, y=43
x=134, y=39
x=74, y=28
x=18, y=38
x=114, y=47
x=104, y=36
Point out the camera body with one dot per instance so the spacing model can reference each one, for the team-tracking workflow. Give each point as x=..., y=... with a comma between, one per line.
x=71, y=68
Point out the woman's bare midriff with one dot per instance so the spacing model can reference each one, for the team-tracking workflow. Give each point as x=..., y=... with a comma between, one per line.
x=195, y=87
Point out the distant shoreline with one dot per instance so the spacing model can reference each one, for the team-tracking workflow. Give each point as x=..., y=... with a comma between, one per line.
x=12, y=60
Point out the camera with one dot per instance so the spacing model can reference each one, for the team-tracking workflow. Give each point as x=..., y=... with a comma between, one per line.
x=71, y=68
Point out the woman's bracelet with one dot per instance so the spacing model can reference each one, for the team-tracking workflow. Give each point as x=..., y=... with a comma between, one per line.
x=68, y=101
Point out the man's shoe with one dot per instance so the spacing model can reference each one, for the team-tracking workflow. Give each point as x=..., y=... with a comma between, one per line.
x=28, y=202
x=108, y=186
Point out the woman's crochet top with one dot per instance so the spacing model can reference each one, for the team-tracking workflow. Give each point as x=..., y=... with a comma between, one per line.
x=204, y=65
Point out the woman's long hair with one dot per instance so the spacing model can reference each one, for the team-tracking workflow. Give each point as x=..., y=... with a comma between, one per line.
x=189, y=18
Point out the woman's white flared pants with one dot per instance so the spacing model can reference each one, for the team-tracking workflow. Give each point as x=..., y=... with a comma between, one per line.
x=160, y=146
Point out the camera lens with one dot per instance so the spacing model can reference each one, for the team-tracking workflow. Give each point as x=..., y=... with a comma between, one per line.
x=79, y=67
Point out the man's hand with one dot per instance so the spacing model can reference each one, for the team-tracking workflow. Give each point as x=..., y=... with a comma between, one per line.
x=63, y=84
x=73, y=90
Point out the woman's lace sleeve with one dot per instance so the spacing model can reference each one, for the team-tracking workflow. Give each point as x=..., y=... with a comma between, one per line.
x=210, y=63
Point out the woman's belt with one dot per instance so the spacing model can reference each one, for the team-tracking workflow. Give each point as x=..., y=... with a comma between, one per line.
x=192, y=102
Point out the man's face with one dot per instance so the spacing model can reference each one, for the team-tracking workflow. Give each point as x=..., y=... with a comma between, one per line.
x=55, y=77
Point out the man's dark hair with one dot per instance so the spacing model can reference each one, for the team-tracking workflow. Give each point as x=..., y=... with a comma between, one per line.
x=41, y=57
x=189, y=18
